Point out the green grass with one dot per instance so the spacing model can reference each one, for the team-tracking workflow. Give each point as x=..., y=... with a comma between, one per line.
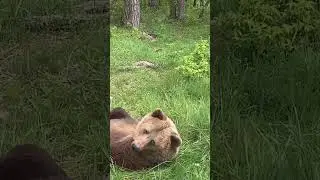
x=268, y=127
x=52, y=88
x=267, y=124
x=140, y=91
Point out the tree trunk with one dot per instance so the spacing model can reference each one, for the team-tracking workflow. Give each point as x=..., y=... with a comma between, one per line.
x=154, y=3
x=177, y=9
x=194, y=3
x=181, y=10
x=132, y=13
x=173, y=6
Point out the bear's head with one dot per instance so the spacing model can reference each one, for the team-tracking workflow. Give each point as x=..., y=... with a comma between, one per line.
x=156, y=138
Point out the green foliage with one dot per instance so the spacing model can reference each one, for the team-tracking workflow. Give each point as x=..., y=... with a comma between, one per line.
x=196, y=64
x=267, y=117
x=116, y=12
x=269, y=27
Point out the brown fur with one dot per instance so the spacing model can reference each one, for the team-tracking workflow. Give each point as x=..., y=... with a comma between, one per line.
x=155, y=135
x=29, y=161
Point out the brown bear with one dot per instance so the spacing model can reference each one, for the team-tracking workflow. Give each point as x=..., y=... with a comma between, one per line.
x=28, y=161
x=31, y=162
x=137, y=145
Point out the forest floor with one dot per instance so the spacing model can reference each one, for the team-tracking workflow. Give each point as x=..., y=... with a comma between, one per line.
x=141, y=90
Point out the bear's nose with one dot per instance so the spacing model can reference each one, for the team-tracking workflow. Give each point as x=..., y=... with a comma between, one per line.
x=135, y=147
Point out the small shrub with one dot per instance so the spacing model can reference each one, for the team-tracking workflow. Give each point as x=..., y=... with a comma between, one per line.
x=196, y=64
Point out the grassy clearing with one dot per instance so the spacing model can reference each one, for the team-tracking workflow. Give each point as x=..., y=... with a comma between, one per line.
x=52, y=87
x=269, y=124
x=140, y=91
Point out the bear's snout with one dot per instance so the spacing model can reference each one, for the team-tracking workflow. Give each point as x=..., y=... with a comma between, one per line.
x=135, y=148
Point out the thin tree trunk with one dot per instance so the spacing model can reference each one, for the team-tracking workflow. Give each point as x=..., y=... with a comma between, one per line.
x=177, y=9
x=132, y=13
x=181, y=9
x=173, y=6
x=194, y=3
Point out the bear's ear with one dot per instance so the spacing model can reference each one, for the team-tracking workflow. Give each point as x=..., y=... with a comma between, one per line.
x=175, y=141
x=159, y=114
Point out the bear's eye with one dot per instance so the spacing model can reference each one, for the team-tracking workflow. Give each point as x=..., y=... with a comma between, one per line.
x=145, y=131
x=152, y=142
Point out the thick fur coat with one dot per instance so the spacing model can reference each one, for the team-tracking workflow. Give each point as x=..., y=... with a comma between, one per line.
x=137, y=145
